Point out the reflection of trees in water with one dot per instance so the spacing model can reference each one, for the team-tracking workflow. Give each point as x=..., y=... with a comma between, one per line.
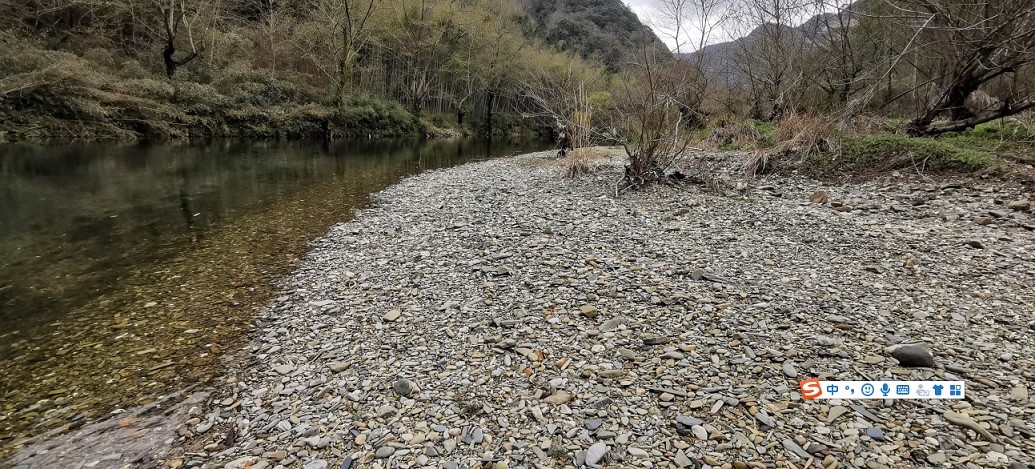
x=77, y=218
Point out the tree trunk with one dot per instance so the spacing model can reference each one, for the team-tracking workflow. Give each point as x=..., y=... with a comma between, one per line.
x=490, y=101
x=1005, y=110
x=170, y=62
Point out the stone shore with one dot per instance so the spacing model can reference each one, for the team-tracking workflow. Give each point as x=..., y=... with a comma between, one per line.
x=499, y=315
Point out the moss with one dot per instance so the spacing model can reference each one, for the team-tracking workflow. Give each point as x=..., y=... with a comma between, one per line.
x=869, y=154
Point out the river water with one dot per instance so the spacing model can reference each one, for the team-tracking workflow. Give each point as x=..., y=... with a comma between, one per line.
x=128, y=271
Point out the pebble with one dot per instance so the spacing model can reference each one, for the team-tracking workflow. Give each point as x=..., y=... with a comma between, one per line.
x=315, y=464
x=913, y=356
x=596, y=453
x=549, y=322
x=392, y=315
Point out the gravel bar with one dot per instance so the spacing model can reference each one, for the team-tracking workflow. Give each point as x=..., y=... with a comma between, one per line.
x=499, y=315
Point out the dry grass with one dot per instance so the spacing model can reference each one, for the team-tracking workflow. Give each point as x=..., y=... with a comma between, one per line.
x=580, y=160
x=736, y=133
x=798, y=137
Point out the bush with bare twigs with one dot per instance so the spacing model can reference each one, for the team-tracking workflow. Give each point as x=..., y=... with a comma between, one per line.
x=729, y=132
x=653, y=116
x=798, y=137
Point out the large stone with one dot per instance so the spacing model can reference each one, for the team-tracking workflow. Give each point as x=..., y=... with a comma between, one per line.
x=558, y=399
x=819, y=197
x=403, y=387
x=596, y=453
x=247, y=462
x=1020, y=205
x=392, y=315
x=911, y=356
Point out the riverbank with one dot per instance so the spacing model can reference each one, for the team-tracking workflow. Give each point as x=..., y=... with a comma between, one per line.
x=499, y=312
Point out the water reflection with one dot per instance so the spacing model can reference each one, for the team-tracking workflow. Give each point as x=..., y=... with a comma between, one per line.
x=107, y=252
x=73, y=219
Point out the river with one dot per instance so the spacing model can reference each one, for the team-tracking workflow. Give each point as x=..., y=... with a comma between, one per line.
x=128, y=271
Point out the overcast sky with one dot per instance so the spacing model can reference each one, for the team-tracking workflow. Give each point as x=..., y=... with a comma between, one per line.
x=646, y=9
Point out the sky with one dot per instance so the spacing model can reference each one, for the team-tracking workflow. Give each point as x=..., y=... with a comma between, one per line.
x=647, y=9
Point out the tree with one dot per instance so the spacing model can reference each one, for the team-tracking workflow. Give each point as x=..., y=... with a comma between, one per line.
x=565, y=93
x=849, y=50
x=175, y=15
x=424, y=38
x=692, y=23
x=499, y=58
x=649, y=116
x=344, y=24
x=972, y=45
x=768, y=56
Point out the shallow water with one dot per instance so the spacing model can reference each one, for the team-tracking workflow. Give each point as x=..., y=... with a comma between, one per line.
x=127, y=271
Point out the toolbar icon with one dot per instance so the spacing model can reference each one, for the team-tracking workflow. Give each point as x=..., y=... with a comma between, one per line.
x=867, y=389
x=955, y=390
x=938, y=389
x=902, y=389
x=921, y=392
x=810, y=389
x=885, y=389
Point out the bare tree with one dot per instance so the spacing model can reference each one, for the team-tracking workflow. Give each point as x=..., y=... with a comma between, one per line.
x=691, y=24
x=176, y=14
x=648, y=117
x=768, y=52
x=972, y=45
x=567, y=97
x=849, y=50
x=345, y=24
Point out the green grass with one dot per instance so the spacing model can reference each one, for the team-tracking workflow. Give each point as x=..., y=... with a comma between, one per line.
x=866, y=153
x=984, y=148
x=768, y=131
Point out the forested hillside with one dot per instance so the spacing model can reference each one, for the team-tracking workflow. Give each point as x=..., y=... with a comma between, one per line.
x=178, y=68
x=603, y=30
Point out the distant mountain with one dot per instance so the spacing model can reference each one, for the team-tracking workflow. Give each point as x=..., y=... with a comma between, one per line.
x=603, y=30
x=719, y=60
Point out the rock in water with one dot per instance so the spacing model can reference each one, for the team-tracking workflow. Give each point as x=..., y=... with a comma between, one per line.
x=595, y=453
x=911, y=356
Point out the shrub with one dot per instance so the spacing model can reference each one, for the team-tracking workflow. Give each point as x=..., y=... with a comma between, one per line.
x=734, y=133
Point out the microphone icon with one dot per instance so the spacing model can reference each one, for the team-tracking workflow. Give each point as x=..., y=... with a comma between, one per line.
x=885, y=389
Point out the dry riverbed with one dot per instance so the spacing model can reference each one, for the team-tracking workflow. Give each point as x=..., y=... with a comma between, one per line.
x=499, y=315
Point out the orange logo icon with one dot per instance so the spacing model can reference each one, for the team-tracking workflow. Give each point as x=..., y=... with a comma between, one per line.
x=810, y=389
